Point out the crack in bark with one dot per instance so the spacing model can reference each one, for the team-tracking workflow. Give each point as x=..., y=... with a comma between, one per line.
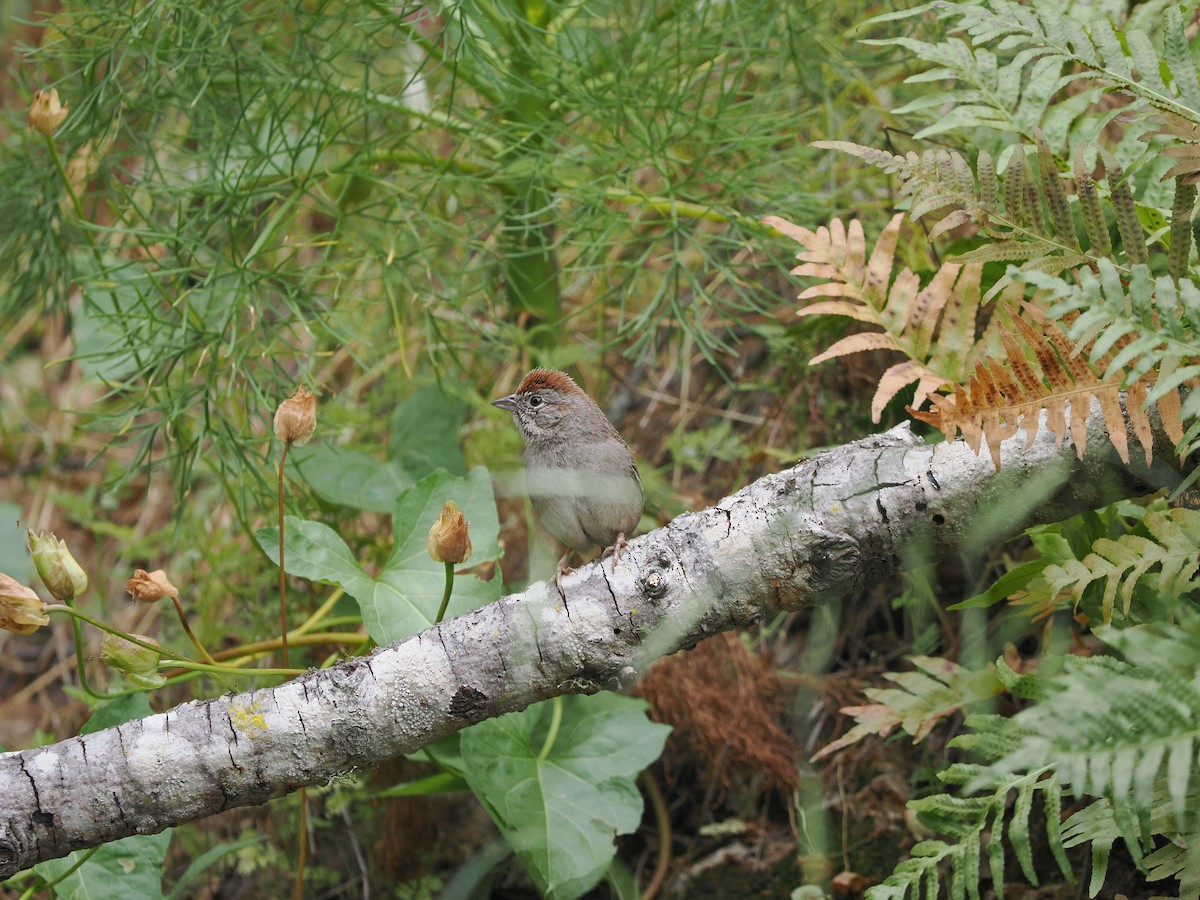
x=728, y=520
x=541, y=659
x=37, y=800
x=563, y=595
x=608, y=584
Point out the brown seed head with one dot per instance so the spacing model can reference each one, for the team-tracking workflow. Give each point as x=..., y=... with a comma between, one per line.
x=296, y=418
x=449, y=540
x=21, y=610
x=150, y=587
x=46, y=112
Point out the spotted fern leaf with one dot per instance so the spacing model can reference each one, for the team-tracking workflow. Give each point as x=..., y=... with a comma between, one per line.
x=1027, y=212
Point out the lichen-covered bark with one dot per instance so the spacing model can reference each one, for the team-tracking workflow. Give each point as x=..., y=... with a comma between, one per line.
x=817, y=532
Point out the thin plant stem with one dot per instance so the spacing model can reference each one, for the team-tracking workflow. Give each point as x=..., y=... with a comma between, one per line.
x=178, y=663
x=79, y=659
x=663, y=819
x=319, y=614
x=41, y=885
x=556, y=714
x=446, y=593
x=283, y=629
x=192, y=637
x=302, y=853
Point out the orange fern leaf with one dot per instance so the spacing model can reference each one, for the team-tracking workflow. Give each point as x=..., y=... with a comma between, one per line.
x=909, y=316
x=1042, y=369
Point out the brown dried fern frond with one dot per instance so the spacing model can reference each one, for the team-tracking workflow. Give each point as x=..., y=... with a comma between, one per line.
x=933, y=326
x=1042, y=369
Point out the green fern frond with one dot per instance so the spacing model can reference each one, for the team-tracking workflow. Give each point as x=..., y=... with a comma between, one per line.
x=1112, y=726
x=1121, y=729
x=1047, y=49
x=965, y=819
x=1173, y=548
x=1178, y=858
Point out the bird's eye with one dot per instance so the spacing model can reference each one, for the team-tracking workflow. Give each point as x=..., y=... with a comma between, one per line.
x=535, y=401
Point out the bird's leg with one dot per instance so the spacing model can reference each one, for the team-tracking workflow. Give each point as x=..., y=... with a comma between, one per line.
x=618, y=545
x=562, y=570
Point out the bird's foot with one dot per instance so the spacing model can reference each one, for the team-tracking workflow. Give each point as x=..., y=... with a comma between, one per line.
x=563, y=569
x=618, y=545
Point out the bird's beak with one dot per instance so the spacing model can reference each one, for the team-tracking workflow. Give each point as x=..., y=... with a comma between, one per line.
x=508, y=403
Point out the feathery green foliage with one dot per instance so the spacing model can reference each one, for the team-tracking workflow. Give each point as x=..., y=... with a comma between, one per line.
x=242, y=192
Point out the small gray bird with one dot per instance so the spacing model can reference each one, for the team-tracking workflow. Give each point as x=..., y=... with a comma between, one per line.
x=580, y=474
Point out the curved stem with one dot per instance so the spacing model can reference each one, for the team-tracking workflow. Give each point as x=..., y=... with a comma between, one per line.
x=661, y=818
x=41, y=885
x=183, y=663
x=321, y=612
x=302, y=850
x=188, y=628
x=79, y=659
x=556, y=713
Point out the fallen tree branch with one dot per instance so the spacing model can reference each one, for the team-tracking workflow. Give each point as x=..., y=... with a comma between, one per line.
x=819, y=531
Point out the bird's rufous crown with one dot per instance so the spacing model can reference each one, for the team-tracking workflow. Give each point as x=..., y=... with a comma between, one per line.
x=548, y=379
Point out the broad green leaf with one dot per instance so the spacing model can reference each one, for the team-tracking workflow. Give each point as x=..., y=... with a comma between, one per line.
x=350, y=477
x=130, y=867
x=403, y=600
x=424, y=438
x=562, y=812
x=314, y=551
x=425, y=434
x=108, y=713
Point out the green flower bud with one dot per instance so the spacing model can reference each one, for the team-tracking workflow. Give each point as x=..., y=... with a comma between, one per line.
x=62, y=576
x=138, y=664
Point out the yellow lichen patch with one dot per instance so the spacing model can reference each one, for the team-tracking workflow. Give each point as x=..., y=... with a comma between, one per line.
x=248, y=720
